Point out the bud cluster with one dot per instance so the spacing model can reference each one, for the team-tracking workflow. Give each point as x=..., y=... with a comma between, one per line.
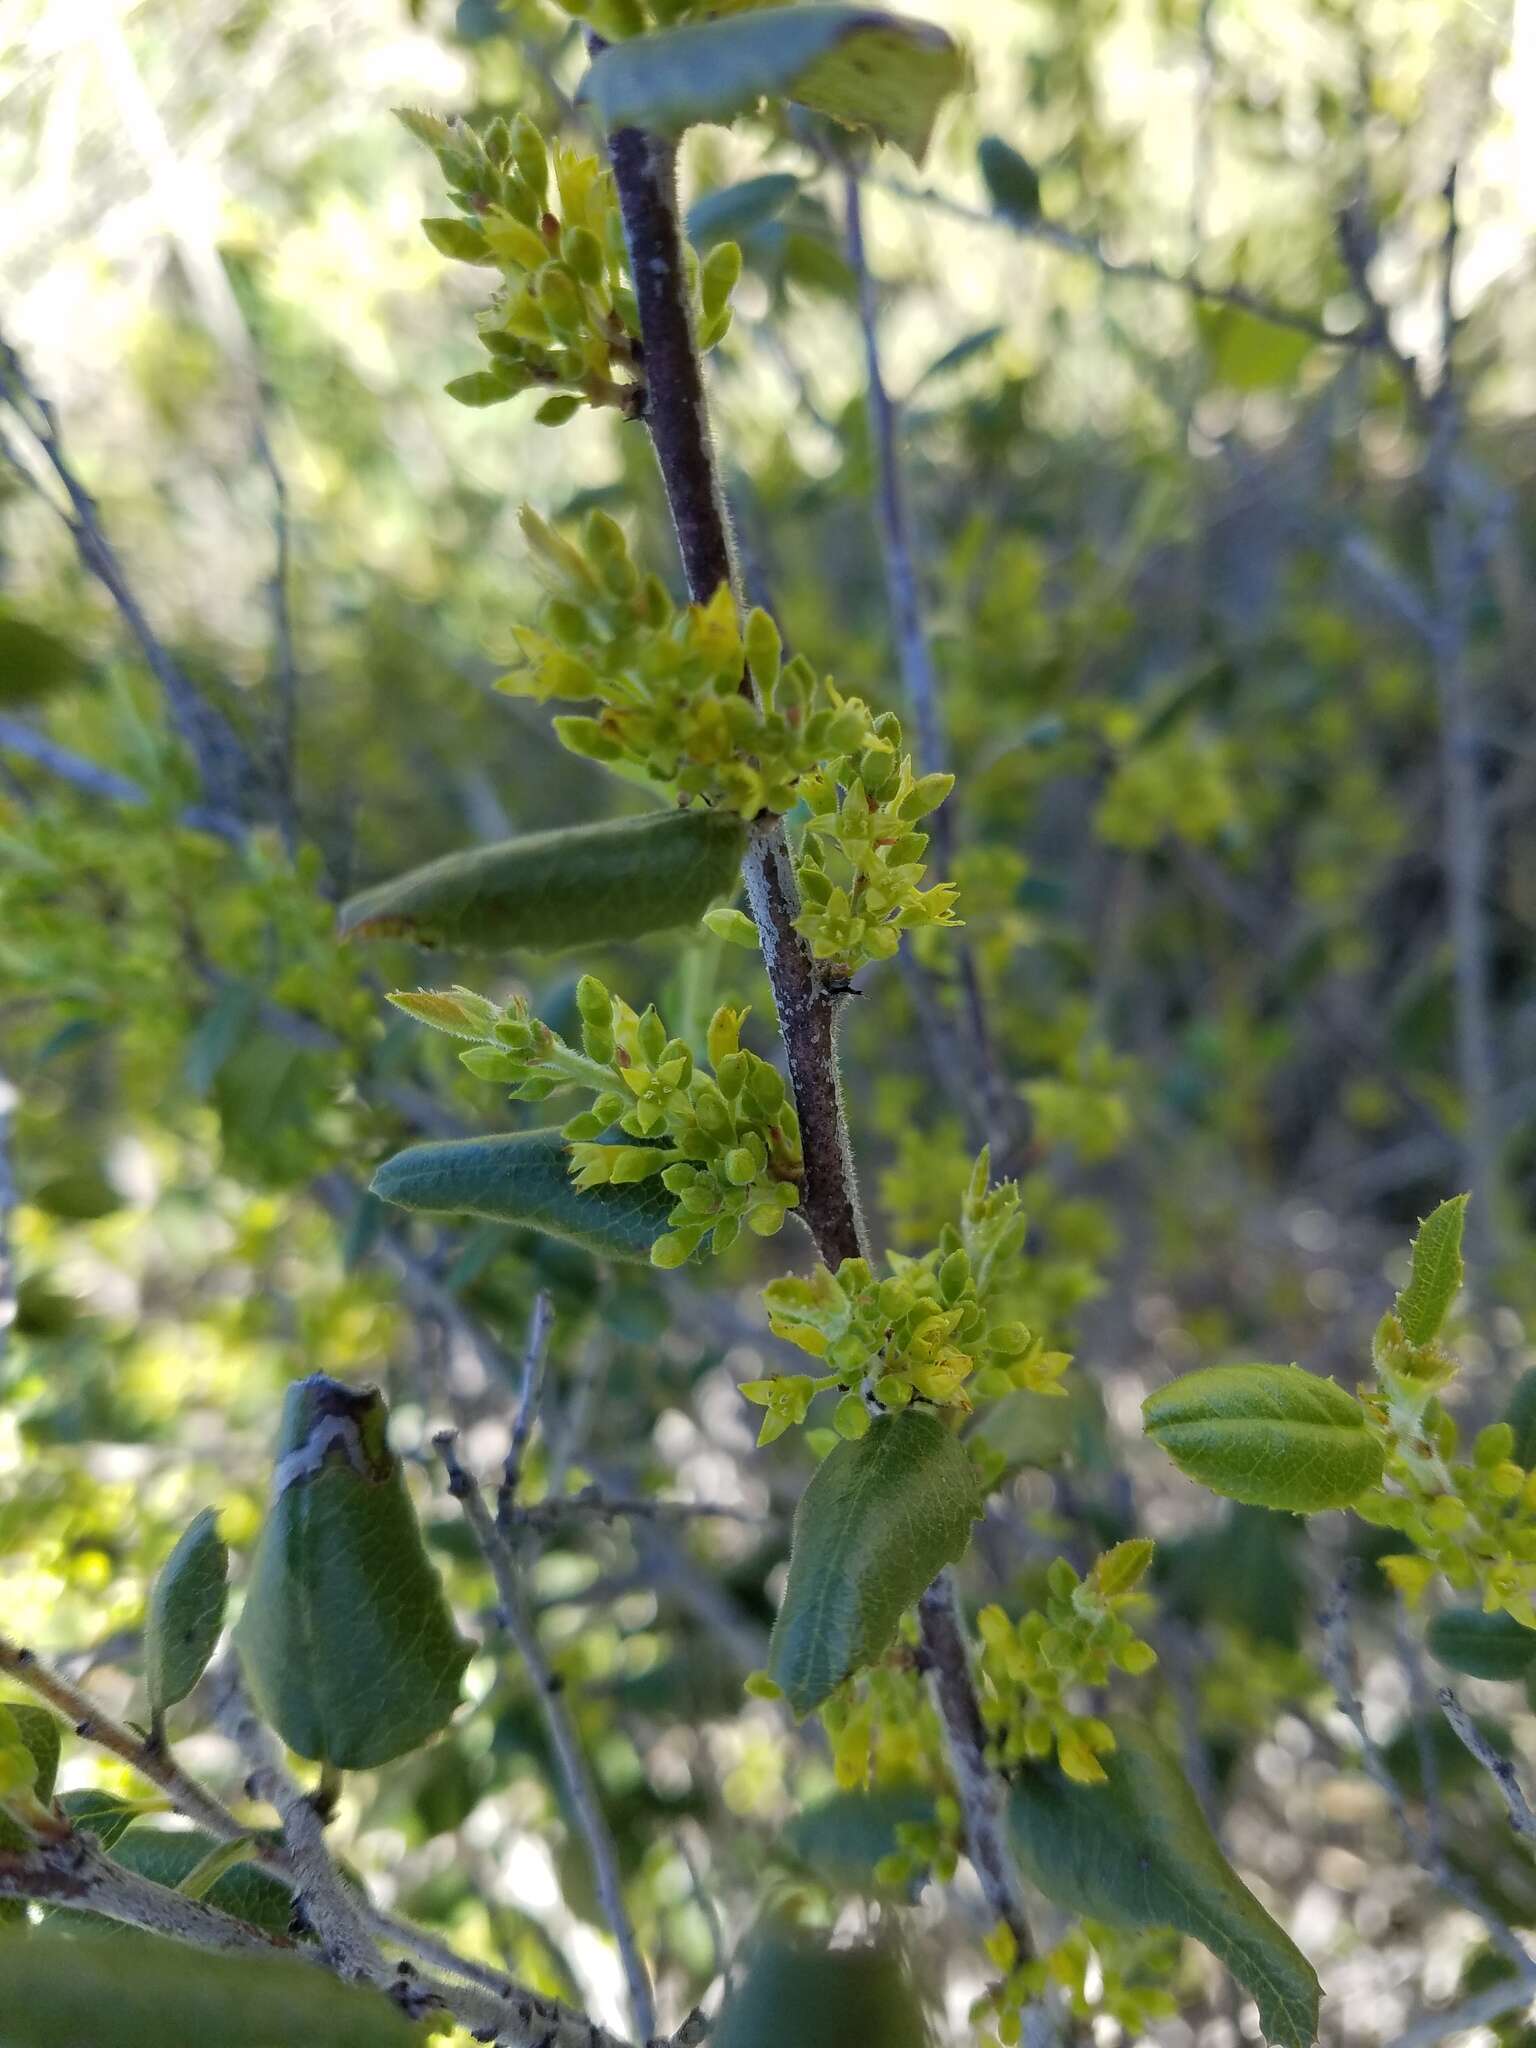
x=926, y=1331
x=1032, y=1665
x=668, y=679
x=861, y=867
x=726, y=1143
x=1103, y=1971
x=547, y=218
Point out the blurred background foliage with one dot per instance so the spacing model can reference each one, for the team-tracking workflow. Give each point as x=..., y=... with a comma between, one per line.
x=1233, y=631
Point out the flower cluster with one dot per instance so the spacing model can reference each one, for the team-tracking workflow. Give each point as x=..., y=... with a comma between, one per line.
x=1113, y=1972
x=1471, y=1519
x=1031, y=1666
x=922, y=1332
x=564, y=321
x=861, y=867
x=668, y=679
x=726, y=1143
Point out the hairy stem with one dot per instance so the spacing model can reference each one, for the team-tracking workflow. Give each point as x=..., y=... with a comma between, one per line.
x=676, y=413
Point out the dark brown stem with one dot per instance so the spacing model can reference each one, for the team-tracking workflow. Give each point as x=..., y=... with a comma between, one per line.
x=677, y=414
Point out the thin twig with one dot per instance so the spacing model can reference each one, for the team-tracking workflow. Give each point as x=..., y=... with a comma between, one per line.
x=1480, y=2010
x=1499, y=1768
x=205, y=732
x=1134, y=270
x=1338, y=1659
x=535, y=1352
x=329, y=1907
x=105, y=784
x=593, y=1504
x=74, y=1873
x=580, y=1786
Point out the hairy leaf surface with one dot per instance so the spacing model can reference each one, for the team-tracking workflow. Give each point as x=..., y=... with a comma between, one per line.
x=1435, y=1276
x=1138, y=1852
x=1272, y=1436
x=586, y=886
x=879, y=1521
x=524, y=1178
x=857, y=65
x=346, y=1640
x=186, y=1612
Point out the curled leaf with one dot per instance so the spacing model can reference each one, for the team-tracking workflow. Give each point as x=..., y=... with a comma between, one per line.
x=345, y=1639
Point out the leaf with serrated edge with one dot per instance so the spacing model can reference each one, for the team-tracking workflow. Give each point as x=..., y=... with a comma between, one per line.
x=131, y=1990
x=1436, y=1272
x=878, y=1522
x=524, y=1178
x=1137, y=1852
x=346, y=1640
x=1272, y=1436
x=858, y=65
x=186, y=1612
x=588, y=885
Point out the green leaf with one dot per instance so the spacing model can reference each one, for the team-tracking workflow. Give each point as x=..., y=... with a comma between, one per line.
x=1482, y=1645
x=1013, y=184
x=878, y=1522
x=1025, y=1429
x=346, y=1640
x=1248, y=353
x=171, y=1856
x=844, y=1837
x=791, y=1984
x=41, y=1735
x=478, y=388
x=731, y=213
x=1272, y=1436
x=1436, y=1274
x=586, y=886
x=102, y=1814
x=858, y=65
x=524, y=1178
x=186, y=1612
x=1136, y=1851
x=132, y=1990
x=33, y=662
x=1521, y=1417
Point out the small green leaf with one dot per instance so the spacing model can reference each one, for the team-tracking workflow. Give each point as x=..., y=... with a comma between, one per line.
x=829, y=1996
x=41, y=1734
x=842, y=1838
x=478, y=388
x=103, y=1814
x=1521, y=1417
x=458, y=240
x=1247, y=352
x=1436, y=1275
x=1013, y=184
x=180, y=1857
x=1482, y=1645
x=133, y=1990
x=345, y=1639
x=1272, y=1436
x=1137, y=1852
x=878, y=1522
x=186, y=1612
x=525, y=1178
x=585, y=886
x=857, y=65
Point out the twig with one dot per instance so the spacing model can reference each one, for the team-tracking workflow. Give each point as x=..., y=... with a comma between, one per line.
x=8, y=1100
x=1338, y=1661
x=1135, y=270
x=645, y=176
x=205, y=732
x=1499, y=1768
x=486, y=2001
x=535, y=1351
x=593, y=1503
x=1479, y=2010
x=329, y=1907
x=91, y=779
x=581, y=1788
x=73, y=1872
